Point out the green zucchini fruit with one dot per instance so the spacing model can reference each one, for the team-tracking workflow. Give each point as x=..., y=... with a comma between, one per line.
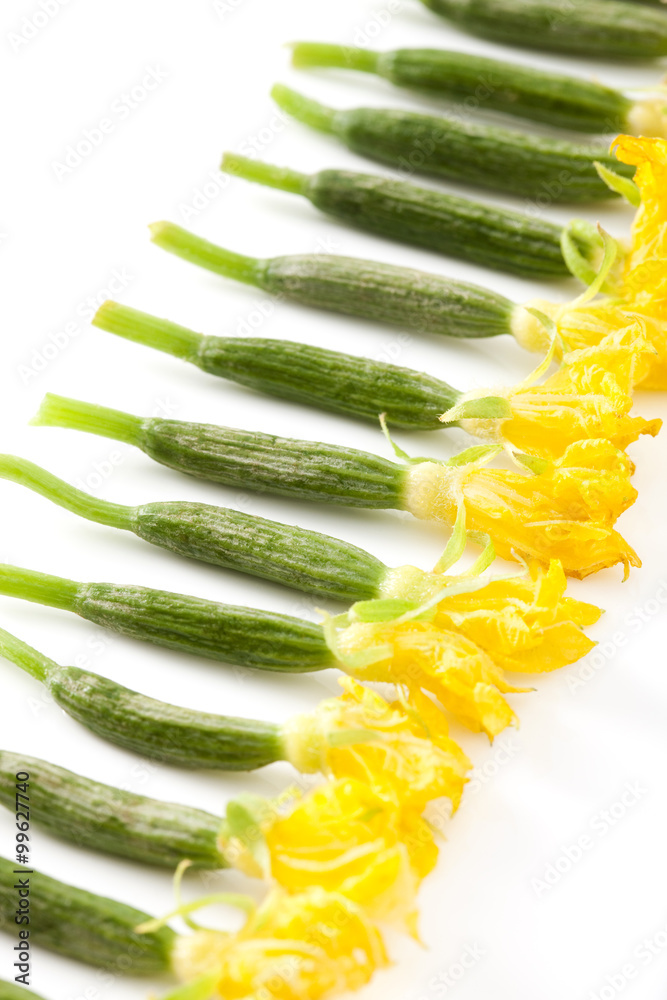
x=597, y=28
x=103, y=818
x=306, y=470
x=10, y=991
x=305, y=560
x=499, y=238
x=325, y=473
x=528, y=166
x=417, y=300
x=343, y=383
x=177, y=736
x=80, y=925
x=399, y=296
x=485, y=84
x=242, y=636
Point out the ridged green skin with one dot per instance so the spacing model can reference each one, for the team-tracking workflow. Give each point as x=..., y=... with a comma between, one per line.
x=307, y=470
x=599, y=28
x=493, y=237
x=174, y=735
x=398, y=296
x=344, y=383
x=243, y=636
x=527, y=166
x=88, y=928
x=10, y=991
x=287, y=554
x=103, y=818
x=552, y=98
x=305, y=560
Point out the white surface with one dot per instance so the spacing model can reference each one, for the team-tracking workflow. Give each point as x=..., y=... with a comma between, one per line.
x=62, y=241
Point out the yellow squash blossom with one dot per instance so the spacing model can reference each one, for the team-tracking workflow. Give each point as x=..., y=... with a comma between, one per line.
x=525, y=623
x=453, y=636
x=302, y=947
x=420, y=656
x=589, y=397
x=565, y=512
x=343, y=837
x=637, y=302
x=405, y=756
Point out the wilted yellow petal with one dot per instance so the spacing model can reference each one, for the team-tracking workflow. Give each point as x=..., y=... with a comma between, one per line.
x=566, y=513
x=344, y=837
x=590, y=397
x=420, y=655
x=524, y=623
x=302, y=947
x=405, y=756
x=639, y=302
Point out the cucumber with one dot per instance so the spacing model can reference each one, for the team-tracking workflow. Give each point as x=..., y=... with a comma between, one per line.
x=306, y=470
x=498, y=238
x=596, y=28
x=484, y=84
x=178, y=736
x=399, y=296
x=242, y=636
x=103, y=818
x=305, y=560
x=343, y=383
x=529, y=166
x=80, y=925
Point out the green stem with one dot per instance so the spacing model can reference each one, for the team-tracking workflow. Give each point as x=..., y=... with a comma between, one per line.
x=25, y=657
x=143, y=328
x=10, y=991
x=19, y=470
x=304, y=109
x=340, y=56
x=198, y=251
x=265, y=173
x=59, y=411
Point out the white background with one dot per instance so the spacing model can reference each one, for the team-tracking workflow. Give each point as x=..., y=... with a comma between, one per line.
x=62, y=241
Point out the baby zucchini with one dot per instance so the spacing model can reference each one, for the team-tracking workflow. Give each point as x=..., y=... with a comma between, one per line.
x=88, y=928
x=597, y=28
x=486, y=84
x=498, y=238
x=528, y=166
x=243, y=636
x=177, y=736
x=305, y=560
x=384, y=293
x=399, y=296
x=343, y=383
x=102, y=818
x=326, y=473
